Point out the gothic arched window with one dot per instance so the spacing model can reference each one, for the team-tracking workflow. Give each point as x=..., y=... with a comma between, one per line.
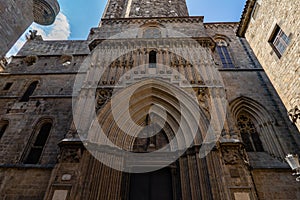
x=3, y=127
x=152, y=59
x=37, y=146
x=29, y=91
x=249, y=134
x=152, y=32
x=222, y=49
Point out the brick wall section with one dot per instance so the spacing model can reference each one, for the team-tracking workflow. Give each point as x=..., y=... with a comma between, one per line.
x=284, y=72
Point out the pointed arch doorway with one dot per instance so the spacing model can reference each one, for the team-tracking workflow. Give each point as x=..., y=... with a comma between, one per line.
x=154, y=185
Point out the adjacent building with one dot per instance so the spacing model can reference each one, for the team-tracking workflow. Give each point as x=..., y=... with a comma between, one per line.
x=272, y=30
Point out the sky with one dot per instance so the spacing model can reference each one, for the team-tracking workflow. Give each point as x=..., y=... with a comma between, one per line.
x=77, y=17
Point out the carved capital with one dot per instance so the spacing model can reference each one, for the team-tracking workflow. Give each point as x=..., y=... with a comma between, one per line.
x=71, y=151
x=233, y=153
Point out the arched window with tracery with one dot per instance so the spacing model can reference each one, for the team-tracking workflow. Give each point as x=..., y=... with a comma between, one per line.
x=222, y=49
x=29, y=91
x=37, y=146
x=152, y=32
x=249, y=133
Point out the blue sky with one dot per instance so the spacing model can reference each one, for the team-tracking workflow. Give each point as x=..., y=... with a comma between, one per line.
x=84, y=14
x=77, y=17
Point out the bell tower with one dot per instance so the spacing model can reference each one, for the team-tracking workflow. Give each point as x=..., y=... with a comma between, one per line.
x=145, y=8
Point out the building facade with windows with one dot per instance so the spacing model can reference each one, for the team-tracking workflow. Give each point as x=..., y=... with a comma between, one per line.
x=272, y=30
x=149, y=79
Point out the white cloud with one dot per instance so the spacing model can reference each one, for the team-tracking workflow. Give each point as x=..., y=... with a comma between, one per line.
x=59, y=30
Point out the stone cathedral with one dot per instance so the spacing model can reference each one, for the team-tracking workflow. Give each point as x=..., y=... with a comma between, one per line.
x=155, y=104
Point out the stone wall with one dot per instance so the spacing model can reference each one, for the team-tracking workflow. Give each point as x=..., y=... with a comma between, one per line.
x=145, y=8
x=170, y=27
x=283, y=72
x=24, y=183
x=278, y=184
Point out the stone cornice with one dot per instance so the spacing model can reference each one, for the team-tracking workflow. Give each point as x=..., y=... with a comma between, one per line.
x=109, y=21
x=221, y=24
x=245, y=18
x=144, y=43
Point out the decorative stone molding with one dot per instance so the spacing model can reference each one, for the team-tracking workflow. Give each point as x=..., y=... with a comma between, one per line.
x=294, y=114
x=66, y=59
x=30, y=60
x=32, y=35
x=72, y=133
x=203, y=98
x=152, y=19
x=103, y=95
x=71, y=151
x=142, y=43
x=233, y=153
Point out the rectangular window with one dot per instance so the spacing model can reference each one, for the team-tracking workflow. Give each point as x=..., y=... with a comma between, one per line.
x=279, y=41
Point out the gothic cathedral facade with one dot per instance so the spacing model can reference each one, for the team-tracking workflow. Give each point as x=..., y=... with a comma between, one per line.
x=155, y=104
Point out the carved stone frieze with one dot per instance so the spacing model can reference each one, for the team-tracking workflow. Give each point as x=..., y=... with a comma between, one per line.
x=149, y=20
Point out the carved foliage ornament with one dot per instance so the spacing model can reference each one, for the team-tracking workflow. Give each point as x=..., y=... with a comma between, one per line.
x=102, y=97
x=30, y=60
x=233, y=155
x=70, y=155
